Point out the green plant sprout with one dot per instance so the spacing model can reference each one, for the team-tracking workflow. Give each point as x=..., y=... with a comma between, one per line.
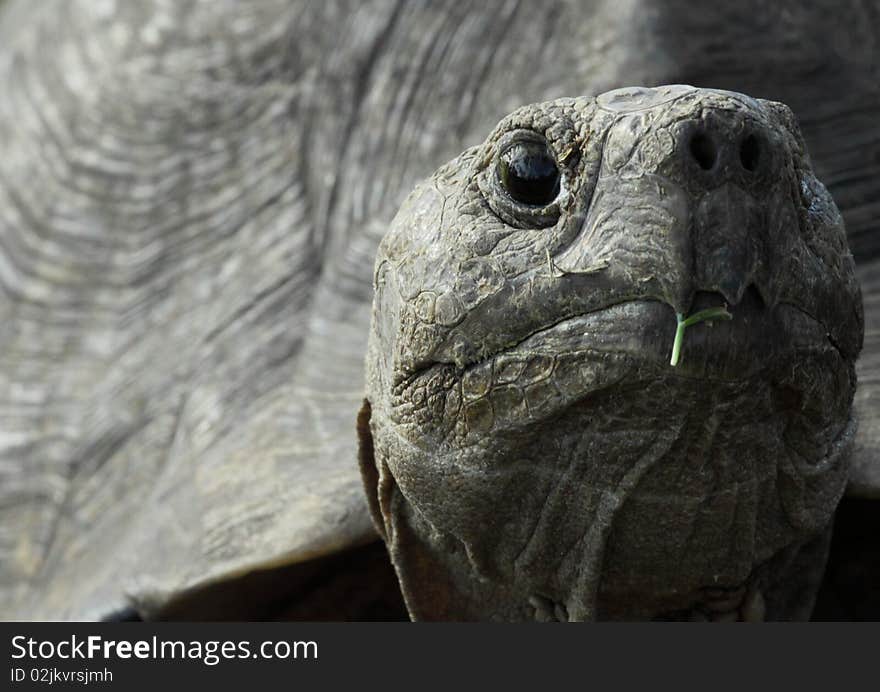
x=701, y=316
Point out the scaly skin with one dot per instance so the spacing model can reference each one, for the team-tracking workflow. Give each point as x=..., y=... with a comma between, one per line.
x=531, y=454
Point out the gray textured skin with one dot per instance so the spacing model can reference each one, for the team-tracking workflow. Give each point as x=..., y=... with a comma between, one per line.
x=191, y=197
x=535, y=455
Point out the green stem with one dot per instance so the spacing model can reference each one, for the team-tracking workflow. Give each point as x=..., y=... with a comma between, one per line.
x=679, y=337
x=696, y=318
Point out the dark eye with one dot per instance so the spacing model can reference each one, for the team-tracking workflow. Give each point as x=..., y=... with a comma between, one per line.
x=529, y=173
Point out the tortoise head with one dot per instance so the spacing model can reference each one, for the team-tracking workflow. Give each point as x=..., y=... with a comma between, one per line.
x=528, y=450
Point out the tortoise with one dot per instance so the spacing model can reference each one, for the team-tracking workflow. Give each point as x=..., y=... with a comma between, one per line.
x=192, y=199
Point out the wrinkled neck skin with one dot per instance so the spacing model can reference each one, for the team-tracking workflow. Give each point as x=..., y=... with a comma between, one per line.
x=528, y=451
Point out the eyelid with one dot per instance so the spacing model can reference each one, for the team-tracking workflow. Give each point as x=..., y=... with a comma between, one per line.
x=523, y=136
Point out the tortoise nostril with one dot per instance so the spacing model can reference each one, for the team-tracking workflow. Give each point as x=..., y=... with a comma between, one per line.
x=703, y=150
x=750, y=153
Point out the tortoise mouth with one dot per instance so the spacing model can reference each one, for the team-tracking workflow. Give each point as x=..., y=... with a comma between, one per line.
x=632, y=341
x=644, y=331
x=783, y=350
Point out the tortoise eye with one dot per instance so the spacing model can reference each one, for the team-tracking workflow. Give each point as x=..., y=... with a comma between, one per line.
x=529, y=173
